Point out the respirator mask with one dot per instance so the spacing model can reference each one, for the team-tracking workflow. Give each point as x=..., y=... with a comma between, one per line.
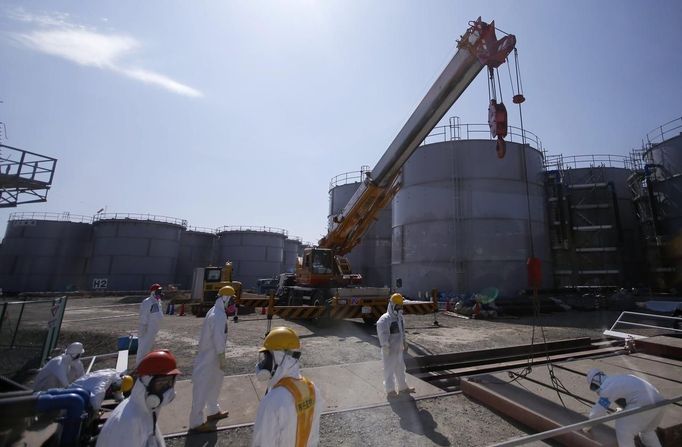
x=596, y=382
x=265, y=368
x=160, y=391
x=268, y=364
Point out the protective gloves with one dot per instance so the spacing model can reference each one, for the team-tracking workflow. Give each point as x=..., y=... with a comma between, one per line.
x=385, y=350
x=222, y=361
x=405, y=346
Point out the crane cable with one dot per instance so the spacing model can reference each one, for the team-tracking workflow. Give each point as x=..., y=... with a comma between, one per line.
x=556, y=383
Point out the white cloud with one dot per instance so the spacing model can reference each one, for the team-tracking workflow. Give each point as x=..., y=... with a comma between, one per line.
x=91, y=48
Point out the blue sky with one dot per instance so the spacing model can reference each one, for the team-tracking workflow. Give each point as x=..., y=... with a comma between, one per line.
x=240, y=112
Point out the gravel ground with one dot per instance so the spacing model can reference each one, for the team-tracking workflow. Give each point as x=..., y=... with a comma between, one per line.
x=451, y=420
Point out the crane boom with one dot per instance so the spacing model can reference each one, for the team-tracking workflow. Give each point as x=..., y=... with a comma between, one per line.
x=477, y=48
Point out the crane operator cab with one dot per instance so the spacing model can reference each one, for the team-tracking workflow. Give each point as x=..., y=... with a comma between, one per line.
x=319, y=267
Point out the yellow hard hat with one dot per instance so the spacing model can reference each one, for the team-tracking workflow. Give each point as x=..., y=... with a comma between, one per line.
x=226, y=291
x=281, y=339
x=127, y=383
x=397, y=298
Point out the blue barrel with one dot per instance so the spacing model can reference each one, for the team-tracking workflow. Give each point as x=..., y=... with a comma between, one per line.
x=127, y=342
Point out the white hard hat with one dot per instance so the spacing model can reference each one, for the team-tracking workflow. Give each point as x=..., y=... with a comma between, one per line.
x=75, y=348
x=592, y=373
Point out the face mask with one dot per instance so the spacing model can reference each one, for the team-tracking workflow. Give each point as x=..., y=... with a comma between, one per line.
x=265, y=367
x=160, y=391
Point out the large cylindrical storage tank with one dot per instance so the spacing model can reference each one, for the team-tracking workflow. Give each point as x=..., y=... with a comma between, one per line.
x=291, y=249
x=255, y=252
x=372, y=256
x=600, y=233
x=133, y=251
x=197, y=249
x=665, y=166
x=461, y=219
x=45, y=252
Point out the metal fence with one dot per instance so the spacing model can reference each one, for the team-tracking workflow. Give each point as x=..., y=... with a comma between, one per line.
x=234, y=228
x=349, y=177
x=57, y=217
x=141, y=217
x=664, y=132
x=561, y=162
x=28, y=333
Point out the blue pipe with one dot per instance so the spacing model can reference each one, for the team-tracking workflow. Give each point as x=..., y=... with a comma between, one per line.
x=84, y=394
x=70, y=400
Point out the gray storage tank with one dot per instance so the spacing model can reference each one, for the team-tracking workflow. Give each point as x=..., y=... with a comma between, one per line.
x=461, y=218
x=133, y=251
x=255, y=252
x=197, y=249
x=291, y=249
x=45, y=252
x=594, y=234
x=372, y=256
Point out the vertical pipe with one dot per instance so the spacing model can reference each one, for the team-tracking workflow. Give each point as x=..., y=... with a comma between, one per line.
x=2, y=315
x=16, y=329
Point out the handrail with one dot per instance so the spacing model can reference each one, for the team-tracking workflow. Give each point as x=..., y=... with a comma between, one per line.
x=59, y=217
x=660, y=133
x=29, y=165
x=349, y=177
x=586, y=423
x=562, y=162
x=140, y=217
x=202, y=230
x=236, y=228
x=611, y=332
x=458, y=131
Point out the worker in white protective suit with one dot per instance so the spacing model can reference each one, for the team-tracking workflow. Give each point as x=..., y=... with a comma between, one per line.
x=102, y=383
x=209, y=365
x=134, y=421
x=289, y=413
x=150, y=321
x=391, y=333
x=61, y=370
x=627, y=392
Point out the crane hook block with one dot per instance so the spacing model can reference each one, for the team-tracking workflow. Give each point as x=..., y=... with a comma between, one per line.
x=519, y=99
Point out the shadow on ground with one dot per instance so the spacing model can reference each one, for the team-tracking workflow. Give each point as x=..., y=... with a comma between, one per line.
x=416, y=420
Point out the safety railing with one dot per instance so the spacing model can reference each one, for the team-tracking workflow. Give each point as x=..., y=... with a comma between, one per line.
x=236, y=228
x=561, y=162
x=28, y=333
x=142, y=217
x=202, y=230
x=455, y=130
x=26, y=165
x=295, y=238
x=586, y=423
x=349, y=177
x=643, y=322
x=664, y=132
x=57, y=217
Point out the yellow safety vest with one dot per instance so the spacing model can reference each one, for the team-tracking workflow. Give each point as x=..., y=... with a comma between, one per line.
x=303, y=391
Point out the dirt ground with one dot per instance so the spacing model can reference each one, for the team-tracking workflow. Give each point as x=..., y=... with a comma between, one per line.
x=451, y=420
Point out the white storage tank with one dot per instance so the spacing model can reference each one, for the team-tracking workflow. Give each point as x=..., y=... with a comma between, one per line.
x=133, y=251
x=461, y=220
x=45, y=252
x=372, y=256
x=255, y=252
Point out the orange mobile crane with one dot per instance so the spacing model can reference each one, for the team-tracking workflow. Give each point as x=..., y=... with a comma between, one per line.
x=323, y=276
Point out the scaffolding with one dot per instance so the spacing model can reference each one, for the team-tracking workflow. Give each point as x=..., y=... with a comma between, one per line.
x=656, y=185
x=25, y=177
x=586, y=234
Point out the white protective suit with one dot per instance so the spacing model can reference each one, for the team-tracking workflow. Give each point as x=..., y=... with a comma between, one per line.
x=59, y=372
x=97, y=383
x=131, y=424
x=207, y=373
x=276, y=419
x=391, y=333
x=150, y=321
x=636, y=393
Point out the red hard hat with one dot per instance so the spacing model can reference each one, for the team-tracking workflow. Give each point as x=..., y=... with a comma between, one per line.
x=158, y=363
x=153, y=287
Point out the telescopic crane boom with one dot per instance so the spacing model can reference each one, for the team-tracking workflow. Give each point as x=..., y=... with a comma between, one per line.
x=477, y=48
